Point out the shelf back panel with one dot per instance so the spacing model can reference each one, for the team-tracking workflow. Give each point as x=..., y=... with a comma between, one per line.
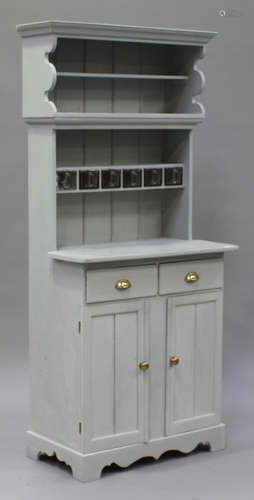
x=102, y=95
x=76, y=148
x=102, y=56
x=106, y=216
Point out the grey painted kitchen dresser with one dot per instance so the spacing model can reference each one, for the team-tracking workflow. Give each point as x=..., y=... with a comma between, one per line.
x=125, y=307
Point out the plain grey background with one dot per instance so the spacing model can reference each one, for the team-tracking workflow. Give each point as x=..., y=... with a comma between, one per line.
x=223, y=211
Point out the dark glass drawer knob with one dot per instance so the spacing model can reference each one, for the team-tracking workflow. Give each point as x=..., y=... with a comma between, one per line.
x=173, y=176
x=89, y=179
x=66, y=180
x=131, y=178
x=153, y=177
x=111, y=179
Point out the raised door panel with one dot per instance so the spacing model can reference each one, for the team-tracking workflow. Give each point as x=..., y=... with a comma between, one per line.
x=114, y=394
x=194, y=335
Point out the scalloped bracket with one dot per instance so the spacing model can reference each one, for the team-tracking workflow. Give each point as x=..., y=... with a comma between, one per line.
x=36, y=65
x=197, y=81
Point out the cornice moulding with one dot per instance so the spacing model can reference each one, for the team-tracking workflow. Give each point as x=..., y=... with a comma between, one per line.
x=115, y=32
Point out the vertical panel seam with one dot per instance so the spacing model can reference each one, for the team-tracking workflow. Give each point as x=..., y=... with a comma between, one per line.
x=140, y=81
x=112, y=146
x=194, y=362
x=84, y=79
x=138, y=380
x=166, y=375
x=112, y=81
x=114, y=375
x=148, y=336
x=142, y=173
x=215, y=348
x=84, y=138
x=83, y=199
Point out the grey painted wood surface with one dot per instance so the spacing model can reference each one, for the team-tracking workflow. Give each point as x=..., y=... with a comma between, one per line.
x=91, y=401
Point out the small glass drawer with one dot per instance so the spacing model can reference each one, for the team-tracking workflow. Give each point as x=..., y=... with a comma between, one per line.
x=152, y=177
x=131, y=178
x=111, y=179
x=66, y=180
x=173, y=176
x=89, y=179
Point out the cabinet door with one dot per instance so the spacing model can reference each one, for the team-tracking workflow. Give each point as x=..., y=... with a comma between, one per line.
x=115, y=394
x=194, y=335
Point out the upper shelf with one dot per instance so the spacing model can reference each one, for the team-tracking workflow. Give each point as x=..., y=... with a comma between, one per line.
x=142, y=71
x=123, y=120
x=118, y=76
x=94, y=76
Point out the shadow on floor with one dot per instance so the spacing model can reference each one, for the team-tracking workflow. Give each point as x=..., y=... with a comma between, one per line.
x=55, y=462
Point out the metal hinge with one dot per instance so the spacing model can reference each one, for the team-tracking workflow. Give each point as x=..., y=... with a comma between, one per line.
x=79, y=326
x=80, y=427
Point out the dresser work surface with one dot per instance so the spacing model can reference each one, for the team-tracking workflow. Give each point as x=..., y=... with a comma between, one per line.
x=125, y=308
x=163, y=247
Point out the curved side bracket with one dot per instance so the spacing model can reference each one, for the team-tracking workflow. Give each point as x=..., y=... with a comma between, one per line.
x=197, y=83
x=39, y=76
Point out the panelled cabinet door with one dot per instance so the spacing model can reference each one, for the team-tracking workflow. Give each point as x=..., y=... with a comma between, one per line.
x=115, y=386
x=194, y=338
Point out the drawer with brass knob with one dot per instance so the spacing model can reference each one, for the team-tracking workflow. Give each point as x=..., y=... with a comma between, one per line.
x=121, y=283
x=190, y=276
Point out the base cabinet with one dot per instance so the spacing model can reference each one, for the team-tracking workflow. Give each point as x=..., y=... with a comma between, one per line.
x=140, y=367
x=147, y=368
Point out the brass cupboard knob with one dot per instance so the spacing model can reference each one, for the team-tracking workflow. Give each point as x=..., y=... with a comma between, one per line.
x=123, y=284
x=174, y=360
x=144, y=365
x=191, y=277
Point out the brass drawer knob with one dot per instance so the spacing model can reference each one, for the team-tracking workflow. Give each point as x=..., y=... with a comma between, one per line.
x=174, y=360
x=144, y=365
x=123, y=284
x=191, y=277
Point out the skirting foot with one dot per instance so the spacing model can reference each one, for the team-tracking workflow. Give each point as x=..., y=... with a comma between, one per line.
x=86, y=472
x=218, y=441
x=32, y=453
